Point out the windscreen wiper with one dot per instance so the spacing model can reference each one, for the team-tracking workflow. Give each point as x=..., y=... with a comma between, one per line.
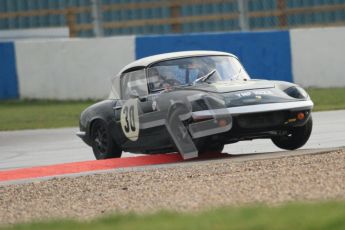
x=205, y=77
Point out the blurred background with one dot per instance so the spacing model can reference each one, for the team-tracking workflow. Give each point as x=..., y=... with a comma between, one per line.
x=70, y=49
x=89, y=18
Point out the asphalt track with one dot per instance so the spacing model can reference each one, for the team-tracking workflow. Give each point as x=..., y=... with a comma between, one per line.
x=20, y=149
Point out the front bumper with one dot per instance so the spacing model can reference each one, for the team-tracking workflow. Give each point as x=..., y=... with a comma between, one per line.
x=261, y=108
x=249, y=119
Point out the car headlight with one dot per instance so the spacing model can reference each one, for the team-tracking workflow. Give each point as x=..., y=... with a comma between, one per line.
x=296, y=92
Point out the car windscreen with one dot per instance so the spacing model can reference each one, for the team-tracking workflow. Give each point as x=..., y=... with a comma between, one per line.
x=186, y=71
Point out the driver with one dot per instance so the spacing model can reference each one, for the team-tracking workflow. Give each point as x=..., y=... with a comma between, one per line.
x=195, y=70
x=158, y=81
x=155, y=79
x=203, y=68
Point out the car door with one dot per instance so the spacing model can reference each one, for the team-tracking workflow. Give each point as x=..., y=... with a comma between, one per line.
x=135, y=102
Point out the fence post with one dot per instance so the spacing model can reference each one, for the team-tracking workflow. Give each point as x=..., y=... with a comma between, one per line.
x=96, y=13
x=71, y=22
x=282, y=13
x=243, y=14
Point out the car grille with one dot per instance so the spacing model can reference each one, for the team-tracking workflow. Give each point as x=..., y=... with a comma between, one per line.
x=260, y=120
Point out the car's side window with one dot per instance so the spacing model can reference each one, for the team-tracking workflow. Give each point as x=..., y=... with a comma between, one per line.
x=134, y=82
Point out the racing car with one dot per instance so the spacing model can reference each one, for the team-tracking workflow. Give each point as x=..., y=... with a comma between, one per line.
x=193, y=102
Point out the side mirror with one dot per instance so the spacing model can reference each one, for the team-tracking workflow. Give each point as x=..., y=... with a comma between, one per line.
x=133, y=94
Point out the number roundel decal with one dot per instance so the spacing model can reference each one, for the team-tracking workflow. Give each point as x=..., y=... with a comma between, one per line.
x=130, y=119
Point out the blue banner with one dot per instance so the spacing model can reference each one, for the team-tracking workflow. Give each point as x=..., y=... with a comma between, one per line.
x=8, y=73
x=265, y=55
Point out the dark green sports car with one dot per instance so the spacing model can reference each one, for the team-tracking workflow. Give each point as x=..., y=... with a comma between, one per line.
x=193, y=102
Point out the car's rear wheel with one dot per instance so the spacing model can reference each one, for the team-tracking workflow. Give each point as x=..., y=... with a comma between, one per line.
x=295, y=138
x=103, y=145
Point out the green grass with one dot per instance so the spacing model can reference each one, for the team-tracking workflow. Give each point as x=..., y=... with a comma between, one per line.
x=26, y=114
x=330, y=215
x=16, y=115
x=327, y=99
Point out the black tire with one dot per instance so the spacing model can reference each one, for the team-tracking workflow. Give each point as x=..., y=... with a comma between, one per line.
x=206, y=146
x=102, y=144
x=296, y=137
x=215, y=147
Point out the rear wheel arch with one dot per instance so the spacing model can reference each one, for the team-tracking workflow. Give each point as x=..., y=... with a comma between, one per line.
x=92, y=123
x=114, y=150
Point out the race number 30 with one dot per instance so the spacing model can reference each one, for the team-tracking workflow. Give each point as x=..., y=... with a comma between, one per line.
x=130, y=119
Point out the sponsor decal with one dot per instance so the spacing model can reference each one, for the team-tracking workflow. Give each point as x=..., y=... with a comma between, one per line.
x=257, y=93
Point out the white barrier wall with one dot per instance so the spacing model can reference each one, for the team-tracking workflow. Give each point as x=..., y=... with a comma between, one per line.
x=83, y=68
x=71, y=69
x=37, y=33
x=318, y=57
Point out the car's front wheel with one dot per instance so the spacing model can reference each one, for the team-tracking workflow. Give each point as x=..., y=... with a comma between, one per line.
x=103, y=145
x=295, y=137
x=206, y=145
